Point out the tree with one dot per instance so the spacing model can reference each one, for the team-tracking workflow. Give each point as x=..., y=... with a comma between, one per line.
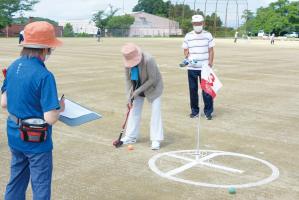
x=68, y=30
x=54, y=23
x=119, y=25
x=182, y=13
x=155, y=7
x=101, y=18
x=8, y=8
x=121, y=22
x=293, y=16
x=279, y=17
x=24, y=20
x=181, y=10
x=247, y=15
x=185, y=25
x=210, y=20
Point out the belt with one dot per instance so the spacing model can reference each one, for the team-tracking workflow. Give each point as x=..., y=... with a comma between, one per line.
x=14, y=119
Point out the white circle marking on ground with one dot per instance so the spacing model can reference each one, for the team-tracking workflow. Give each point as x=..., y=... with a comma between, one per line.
x=193, y=162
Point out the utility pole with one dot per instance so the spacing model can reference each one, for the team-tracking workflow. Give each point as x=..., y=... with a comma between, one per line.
x=123, y=6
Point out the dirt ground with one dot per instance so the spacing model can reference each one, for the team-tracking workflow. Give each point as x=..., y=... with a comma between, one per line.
x=256, y=113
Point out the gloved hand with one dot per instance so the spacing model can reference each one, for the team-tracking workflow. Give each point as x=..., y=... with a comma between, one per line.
x=185, y=62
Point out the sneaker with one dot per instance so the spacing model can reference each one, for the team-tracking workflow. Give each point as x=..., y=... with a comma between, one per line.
x=209, y=117
x=128, y=140
x=155, y=145
x=194, y=115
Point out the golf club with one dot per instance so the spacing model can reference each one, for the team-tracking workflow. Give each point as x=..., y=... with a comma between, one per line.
x=118, y=143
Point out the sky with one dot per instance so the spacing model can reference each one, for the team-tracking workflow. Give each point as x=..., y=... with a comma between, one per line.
x=83, y=9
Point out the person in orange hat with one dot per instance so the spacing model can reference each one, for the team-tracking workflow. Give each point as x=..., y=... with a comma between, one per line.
x=143, y=80
x=30, y=96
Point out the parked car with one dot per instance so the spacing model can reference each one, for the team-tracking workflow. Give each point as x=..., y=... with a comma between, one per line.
x=292, y=35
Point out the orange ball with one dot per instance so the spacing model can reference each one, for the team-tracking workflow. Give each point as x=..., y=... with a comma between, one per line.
x=130, y=147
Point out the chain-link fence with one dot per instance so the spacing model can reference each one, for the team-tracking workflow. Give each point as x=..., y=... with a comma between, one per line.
x=223, y=17
x=143, y=32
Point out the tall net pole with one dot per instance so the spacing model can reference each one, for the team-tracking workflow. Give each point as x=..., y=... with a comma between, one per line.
x=215, y=18
x=226, y=9
x=237, y=15
x=229, y=11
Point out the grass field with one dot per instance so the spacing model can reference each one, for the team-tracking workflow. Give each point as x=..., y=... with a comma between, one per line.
x=256, y=113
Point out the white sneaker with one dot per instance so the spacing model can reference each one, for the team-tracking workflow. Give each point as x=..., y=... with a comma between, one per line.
x=155, y=145
x=128, y=140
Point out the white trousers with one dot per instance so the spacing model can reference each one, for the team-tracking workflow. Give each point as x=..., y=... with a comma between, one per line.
x=156, y=128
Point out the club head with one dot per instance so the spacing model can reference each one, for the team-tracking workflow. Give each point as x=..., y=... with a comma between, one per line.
x=117, y=143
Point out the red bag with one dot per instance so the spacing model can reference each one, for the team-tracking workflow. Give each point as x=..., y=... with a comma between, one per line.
x=34, y=130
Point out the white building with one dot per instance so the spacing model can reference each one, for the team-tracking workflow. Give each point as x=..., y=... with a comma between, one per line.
x=81, y=26
x=151, y=25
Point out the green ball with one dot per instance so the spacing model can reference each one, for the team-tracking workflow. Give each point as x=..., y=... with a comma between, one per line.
x=232, y=190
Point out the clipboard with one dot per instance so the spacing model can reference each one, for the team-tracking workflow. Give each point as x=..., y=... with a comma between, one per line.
x=76, y=115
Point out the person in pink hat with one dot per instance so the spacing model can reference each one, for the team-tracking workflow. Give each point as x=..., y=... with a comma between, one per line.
x=143, y=80
x=29, y=94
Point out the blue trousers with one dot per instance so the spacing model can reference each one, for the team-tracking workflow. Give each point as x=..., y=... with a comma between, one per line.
x=25, y=165
x=193, y=76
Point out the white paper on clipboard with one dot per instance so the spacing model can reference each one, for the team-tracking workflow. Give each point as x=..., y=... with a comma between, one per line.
x=75, y=114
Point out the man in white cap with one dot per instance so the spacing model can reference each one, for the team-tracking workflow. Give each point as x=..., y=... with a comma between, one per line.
x=198, y=47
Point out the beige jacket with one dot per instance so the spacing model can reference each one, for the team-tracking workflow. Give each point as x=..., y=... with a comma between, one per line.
x=151, y=79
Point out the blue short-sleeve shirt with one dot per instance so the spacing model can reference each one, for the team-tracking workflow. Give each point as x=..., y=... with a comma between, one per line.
x=31, y=91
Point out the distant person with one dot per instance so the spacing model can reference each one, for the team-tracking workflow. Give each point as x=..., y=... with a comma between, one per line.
x=198, y=47
x=21, y=36
x=143, y=81
x=272, y=38
x=29, y=94
x=236, y=37
x=99, y=34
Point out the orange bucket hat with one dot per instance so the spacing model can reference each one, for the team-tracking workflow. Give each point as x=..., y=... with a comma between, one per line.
x=40, y=35
x=132, y=55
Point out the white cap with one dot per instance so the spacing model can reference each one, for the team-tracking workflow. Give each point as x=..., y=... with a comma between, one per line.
x=197, y=18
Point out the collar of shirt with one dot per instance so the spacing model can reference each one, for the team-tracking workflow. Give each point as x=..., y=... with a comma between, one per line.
x=134, y=73
x=34, y=58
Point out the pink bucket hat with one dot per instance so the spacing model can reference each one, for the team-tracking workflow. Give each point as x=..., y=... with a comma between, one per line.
x=132, y=55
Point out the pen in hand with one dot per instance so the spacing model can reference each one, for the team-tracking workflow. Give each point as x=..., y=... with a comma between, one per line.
x=62, y=104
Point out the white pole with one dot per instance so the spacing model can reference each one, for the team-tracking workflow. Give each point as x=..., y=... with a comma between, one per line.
x=198, y=121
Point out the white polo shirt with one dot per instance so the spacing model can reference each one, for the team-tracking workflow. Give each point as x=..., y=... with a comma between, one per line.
x=198, y=45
